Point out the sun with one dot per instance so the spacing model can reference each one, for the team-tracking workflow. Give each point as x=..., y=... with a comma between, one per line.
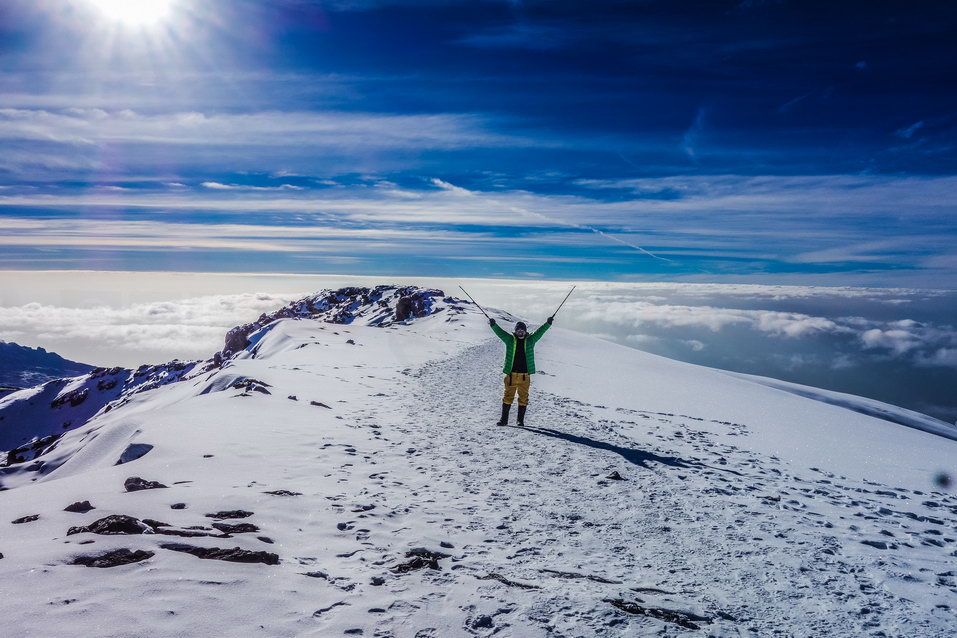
x=136, y=13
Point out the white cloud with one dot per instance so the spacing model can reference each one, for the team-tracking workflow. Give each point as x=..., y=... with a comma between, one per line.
x=327, y=129
x=247, y=187
x=127, y=335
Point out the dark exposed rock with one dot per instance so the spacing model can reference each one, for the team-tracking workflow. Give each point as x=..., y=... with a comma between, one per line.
x=26, y=519
x=178, y=506
x=265, y=539
x=283, y=493
x=188, y=533
x=252, y=385
x=229, y=514
x=236, y=528
x=80, y=507
x=1, y=556
x=377, y=581
x=152, y=522
x=319, y=404
x=482, y=622
x=114, y=558
x=615, y=476
x=506, y=581
x=234, y=555
x=292, y=397
x=446, y=545
x=880, y=544
x=113, y=524
x=351, y=341
x=74, y=398
x=135, y=484
x=684, y=619
x=420, y=559
x=575, y=575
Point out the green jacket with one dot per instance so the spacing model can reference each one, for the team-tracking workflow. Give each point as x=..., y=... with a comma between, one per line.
x=510, y=345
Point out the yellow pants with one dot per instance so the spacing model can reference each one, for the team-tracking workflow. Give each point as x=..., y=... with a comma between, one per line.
x=517, y=382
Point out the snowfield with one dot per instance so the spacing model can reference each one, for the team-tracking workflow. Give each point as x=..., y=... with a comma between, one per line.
x=347, y=478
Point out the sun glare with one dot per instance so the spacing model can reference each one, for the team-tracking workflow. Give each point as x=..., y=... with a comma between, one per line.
x=140, y=13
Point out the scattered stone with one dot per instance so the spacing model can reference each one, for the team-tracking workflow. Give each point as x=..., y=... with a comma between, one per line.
x=420, y=559
x=292, y=397
x=482, y=622
x=234, y=555
x=283, y=493
x=351, y=341
x=506, y=581
x=654, y=590
x=575, y=575
x=113, y=524
x=615, y=476
x=178, y=506
x=26, y=519
x=265, y=539
x=377, y=581
x=229, y=514
x=683, y=619
x=113, y=559
x=135, y=484
x=207, y=456
x=319, y=404
x=1, y=555
x=189, y=533
x=880, y=544
x=236, y=528
x=80, y=507
x=342, y=526
x=446, y=545
x=251, y=385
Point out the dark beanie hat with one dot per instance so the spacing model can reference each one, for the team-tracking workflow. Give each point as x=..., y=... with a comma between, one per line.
x=521, y=326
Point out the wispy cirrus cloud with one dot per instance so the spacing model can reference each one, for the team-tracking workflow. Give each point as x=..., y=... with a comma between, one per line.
x=270, y=128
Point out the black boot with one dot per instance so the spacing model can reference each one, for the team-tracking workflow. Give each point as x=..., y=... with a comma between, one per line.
x=521, y=415
x=505, y=408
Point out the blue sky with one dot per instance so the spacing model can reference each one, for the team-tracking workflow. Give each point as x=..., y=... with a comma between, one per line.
x=772, y=142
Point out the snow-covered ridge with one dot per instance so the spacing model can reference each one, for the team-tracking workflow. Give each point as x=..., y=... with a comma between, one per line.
x=347, y=478
x=32, y=420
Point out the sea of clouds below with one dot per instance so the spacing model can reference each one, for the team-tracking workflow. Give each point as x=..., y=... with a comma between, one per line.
x=895, y=345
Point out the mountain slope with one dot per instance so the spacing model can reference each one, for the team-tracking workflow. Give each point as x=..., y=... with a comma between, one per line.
x=744, y=510
x=23, y=367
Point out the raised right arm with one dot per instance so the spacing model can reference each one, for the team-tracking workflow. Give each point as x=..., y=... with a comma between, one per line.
x=501, y=334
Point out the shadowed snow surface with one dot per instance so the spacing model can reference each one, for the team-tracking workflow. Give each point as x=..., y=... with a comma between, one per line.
x=365, y=456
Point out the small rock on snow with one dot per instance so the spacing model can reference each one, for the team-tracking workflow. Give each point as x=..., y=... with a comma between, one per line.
x=135, y=484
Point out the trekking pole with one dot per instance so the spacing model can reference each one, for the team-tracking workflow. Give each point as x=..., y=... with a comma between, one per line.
x=475, y=302
x=564, y=300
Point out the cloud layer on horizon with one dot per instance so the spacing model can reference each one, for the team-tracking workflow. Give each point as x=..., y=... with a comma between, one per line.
x=896, y=345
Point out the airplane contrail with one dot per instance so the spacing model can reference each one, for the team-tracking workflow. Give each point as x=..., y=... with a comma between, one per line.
x=524, y=211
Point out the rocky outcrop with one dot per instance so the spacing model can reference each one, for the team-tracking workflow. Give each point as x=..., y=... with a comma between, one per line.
x=233, y=555
x=113, y=525
x=421, y=558
x=380, y=306
x=135, y=484
x=113, y=559
x=80, y=507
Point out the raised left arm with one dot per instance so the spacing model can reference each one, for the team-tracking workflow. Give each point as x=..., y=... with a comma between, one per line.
x=535, y=336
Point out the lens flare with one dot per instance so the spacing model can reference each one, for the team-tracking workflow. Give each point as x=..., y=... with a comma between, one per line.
x=137, y=13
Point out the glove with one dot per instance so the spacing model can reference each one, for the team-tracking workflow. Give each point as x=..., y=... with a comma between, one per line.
x=550, y=319
x=491, y=321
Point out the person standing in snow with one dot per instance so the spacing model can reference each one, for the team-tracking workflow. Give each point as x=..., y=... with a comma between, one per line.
x=519, y=365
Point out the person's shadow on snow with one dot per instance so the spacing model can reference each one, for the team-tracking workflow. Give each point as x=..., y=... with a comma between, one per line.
x=641, y=458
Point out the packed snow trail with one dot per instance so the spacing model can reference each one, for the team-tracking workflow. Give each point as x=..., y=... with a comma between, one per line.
x=732, y=536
